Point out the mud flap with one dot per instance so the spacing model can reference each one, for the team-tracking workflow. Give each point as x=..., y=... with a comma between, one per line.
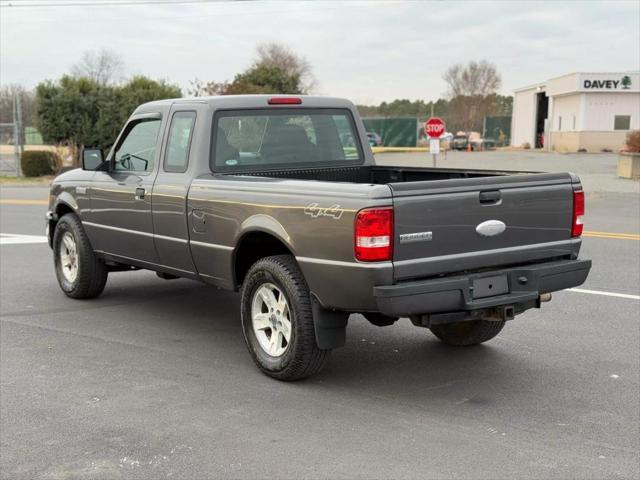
x=330, y=326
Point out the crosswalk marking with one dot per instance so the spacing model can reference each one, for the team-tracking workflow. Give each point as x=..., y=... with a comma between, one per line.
x=13, y=239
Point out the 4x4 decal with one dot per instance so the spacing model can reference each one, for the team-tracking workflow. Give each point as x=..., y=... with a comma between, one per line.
x=314, y=210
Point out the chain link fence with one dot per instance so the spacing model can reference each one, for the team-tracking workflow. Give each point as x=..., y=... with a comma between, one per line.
x=499, y=129
x=12, y=142
x=394, y=131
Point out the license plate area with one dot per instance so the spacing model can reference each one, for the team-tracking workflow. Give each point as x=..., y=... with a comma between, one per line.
x=490, y=286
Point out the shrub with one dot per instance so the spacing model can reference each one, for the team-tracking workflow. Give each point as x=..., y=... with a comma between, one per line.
x=526, y=145
x=36, y=163
x=633, y=141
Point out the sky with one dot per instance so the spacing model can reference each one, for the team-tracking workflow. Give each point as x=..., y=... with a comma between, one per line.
x=365, y=51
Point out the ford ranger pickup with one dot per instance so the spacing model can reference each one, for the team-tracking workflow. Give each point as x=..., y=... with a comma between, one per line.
x=280, y=198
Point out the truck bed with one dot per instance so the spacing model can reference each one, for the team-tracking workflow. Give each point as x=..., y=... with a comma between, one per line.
x=438, y=215
x=378, y=175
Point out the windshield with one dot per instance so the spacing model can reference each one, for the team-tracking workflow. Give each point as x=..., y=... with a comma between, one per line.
x=269, y=139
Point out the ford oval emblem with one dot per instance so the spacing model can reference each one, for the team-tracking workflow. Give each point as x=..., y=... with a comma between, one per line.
x=491, y=228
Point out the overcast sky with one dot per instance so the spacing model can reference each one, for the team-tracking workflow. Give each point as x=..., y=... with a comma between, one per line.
x=365, y=51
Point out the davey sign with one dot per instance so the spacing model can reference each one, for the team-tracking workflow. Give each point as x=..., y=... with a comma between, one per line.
x=434, y=127
x=623, y=83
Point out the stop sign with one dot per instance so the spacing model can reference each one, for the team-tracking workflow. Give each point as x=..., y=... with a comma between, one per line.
x=434, y=127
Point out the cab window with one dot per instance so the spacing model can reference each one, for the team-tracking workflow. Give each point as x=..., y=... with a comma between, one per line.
x=177, y=154
x=136, y=152
x=246, y=140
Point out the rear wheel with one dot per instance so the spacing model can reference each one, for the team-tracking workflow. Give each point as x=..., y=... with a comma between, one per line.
x=277, y=320
x=464, y=334
x=80, y=273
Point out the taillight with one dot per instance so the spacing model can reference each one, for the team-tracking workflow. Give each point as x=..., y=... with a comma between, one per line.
x=374, y=234
x=578, y=212
x=284, y=101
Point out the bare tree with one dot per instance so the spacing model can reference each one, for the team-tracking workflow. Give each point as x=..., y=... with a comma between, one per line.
x=27, y=100
x=276, y=54
x=476, y=78
x=472, y=91
x=292, y=74
x=103, y=66
x=467, y=113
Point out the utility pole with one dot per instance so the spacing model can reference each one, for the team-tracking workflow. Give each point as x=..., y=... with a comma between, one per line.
x=19, y=134
x=16, y=146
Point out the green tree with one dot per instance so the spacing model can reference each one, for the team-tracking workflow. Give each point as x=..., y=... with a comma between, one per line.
x=122, y=101
x=407, y=108
x=276, y=69
x=265, y=79
x=141, y=89
x=83, y=112
x=294, y=65
x=68, y=110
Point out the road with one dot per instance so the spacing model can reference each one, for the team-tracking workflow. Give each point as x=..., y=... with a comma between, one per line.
x=153, y=380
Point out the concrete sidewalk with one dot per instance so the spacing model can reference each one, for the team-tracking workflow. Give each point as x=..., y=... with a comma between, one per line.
x=597, y=171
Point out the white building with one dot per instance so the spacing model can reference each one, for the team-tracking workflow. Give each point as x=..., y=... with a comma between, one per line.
x=578, y=111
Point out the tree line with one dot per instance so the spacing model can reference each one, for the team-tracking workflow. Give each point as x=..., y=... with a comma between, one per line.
x=88, y=106
x=472, y=96
x=458, y=112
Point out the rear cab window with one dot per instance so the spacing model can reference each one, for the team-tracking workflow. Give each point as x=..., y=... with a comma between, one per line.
x=176, y=156
x=268, y=139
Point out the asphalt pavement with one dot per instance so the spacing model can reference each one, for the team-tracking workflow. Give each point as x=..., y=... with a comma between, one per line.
x=153, y=380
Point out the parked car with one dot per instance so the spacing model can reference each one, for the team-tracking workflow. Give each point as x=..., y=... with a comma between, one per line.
x=375, y=140
x=258, y=194
x=459, y=142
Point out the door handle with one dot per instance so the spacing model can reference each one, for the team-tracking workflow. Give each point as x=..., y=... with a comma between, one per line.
x=140, y=193
x=490, y=197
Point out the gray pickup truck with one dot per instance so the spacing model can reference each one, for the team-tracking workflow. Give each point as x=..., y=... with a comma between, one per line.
x=279, y=197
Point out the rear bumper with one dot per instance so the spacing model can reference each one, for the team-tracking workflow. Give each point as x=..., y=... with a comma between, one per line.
x=524, y=285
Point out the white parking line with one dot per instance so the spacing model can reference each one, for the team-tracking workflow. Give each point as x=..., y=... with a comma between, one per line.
x=12, y=239
x=606, y=294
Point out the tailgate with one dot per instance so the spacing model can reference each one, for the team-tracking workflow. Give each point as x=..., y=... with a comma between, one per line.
x=452, y=225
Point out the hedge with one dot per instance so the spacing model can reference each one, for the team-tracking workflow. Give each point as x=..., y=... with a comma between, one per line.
x=36, y=163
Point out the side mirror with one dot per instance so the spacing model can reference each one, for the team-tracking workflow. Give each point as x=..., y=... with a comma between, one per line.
x=92, y=158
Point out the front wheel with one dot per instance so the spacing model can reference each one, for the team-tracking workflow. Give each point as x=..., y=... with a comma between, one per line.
x=80, y=273
x=277, y=320
x=464, y=334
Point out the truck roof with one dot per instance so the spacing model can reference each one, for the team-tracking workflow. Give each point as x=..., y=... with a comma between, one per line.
x=244, y=101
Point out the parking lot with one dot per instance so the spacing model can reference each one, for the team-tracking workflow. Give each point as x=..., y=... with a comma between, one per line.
x=153, y=379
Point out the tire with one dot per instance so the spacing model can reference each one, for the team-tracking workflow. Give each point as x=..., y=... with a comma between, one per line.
x=464, y=334
x=293, y=359
x=90, y=273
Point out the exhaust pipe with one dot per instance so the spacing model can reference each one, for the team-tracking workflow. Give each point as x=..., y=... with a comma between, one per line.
x=545, y=297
